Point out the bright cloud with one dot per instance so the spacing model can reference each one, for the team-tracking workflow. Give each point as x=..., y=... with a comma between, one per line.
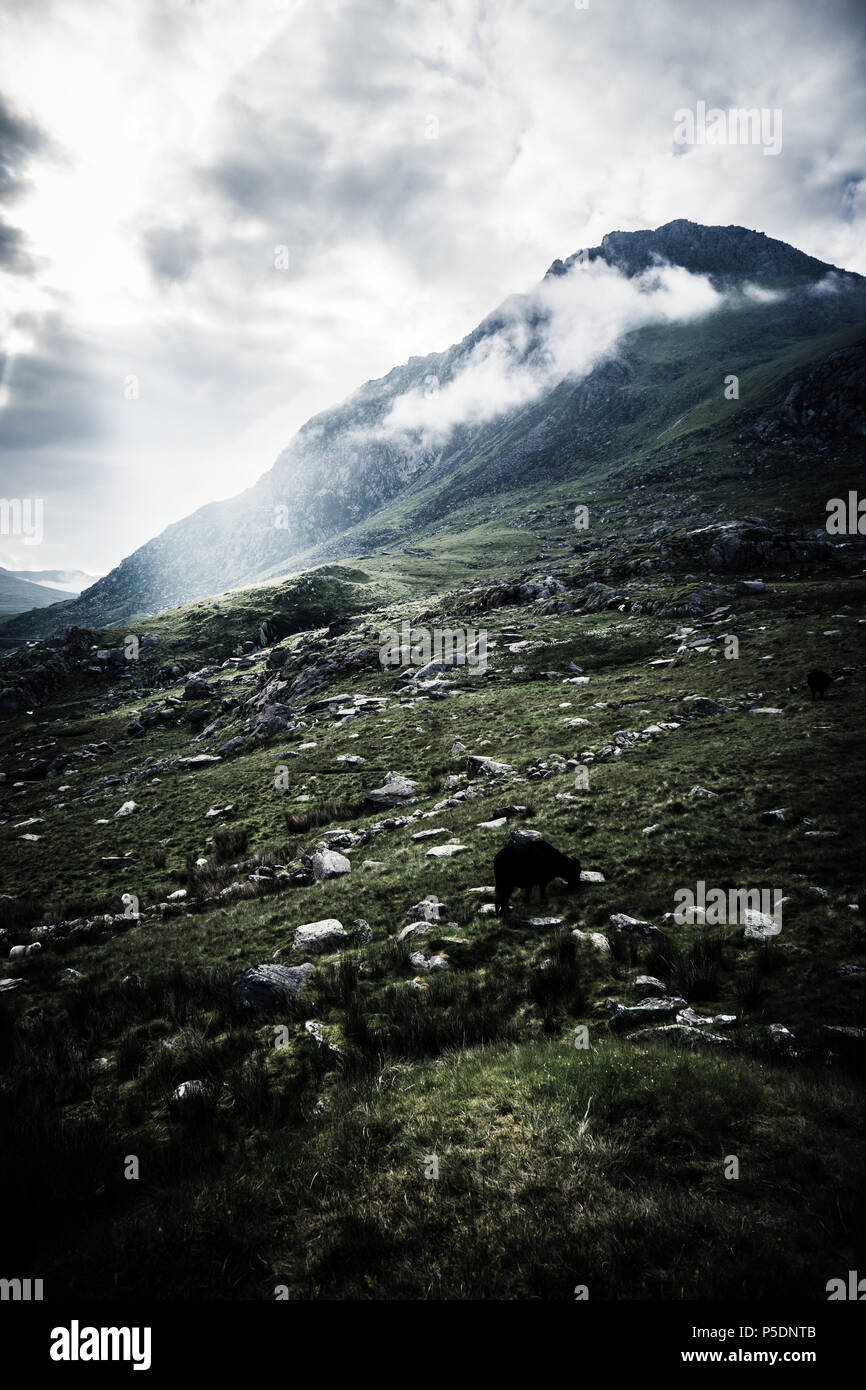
x=419, y=163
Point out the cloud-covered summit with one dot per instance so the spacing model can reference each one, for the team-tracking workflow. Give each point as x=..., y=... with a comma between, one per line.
x=226, y=216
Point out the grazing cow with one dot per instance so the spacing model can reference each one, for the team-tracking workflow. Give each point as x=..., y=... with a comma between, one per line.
x=525, y=865
x=817, y=682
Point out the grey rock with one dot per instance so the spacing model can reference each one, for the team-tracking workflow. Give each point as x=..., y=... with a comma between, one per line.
x=620, y=921
x=196, y=690
x=781, y=1038
x=523, y=836
x=656, y=1007
x=696, y=1020
x=758, y=926
x=269, y=985
x=699, y=704
x=596, y=939
x=422, y=962
x=232, y=746
x=395, y=790
x=273, y=719
x=679, y=1032
x=414, y=929
x=329, y=864
x=189, y=1091
x=649, y=984
x=315, y=937
x=488, y=766
x=429, y=909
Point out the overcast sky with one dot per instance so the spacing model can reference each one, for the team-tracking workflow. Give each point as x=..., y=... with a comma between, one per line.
x=420, y=161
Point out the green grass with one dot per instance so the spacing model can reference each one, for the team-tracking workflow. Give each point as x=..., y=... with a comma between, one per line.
x=304, y=1167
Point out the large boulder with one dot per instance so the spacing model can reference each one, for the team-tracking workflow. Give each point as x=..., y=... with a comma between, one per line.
x=273, y=719
x=489, y=766
x=700, y=704
x=315, y=937
x=233, y=745
x=523, y=836
x=657, y=1007
x=268, y=986
x=620, y=921
x=395, y=790
x=596, y=939
x=327, y=863
x=429, y=909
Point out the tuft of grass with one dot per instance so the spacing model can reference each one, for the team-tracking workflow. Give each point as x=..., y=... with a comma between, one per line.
x=230, y=841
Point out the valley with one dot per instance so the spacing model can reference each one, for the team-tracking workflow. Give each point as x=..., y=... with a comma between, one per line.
x=257, y=860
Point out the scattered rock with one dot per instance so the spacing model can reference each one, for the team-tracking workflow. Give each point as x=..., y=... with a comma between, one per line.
x=429, y=909
x=650, y=984
x=696, y=1020
x=679, y=1032
x=654, y=1007
x=362, y=932
x=189, y=1091
x=488, y=766
x=315, y=937
x=620, y=921
x=395, y=790
x=758, y=926
x=328, y=863
x=596, y=939
x=422, y=962
x=268, y=986
x=699, y=704
x=781, y=1039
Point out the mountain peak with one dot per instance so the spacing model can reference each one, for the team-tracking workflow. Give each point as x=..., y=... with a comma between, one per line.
x=714, y=251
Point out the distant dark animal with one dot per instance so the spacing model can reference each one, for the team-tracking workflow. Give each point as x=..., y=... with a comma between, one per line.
x=526, y=865
x=817, y=682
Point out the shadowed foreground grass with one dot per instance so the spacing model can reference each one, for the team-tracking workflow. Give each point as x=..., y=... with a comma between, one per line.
x=557, y=1168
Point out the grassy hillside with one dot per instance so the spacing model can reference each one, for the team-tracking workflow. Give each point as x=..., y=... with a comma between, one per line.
x=302, y=1166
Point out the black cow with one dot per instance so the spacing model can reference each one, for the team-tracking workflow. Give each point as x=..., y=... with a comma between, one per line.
x=817, y=682
x=526, y=865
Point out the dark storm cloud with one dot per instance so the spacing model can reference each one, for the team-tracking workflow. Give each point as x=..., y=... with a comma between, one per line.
x=14, y=256
x=51, y=387
x=19, y=139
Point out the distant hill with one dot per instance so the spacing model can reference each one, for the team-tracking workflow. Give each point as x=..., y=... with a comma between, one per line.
x=19, y=594
x=68, y=581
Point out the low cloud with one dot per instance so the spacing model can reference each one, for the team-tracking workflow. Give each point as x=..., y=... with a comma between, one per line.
x=564, y=329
